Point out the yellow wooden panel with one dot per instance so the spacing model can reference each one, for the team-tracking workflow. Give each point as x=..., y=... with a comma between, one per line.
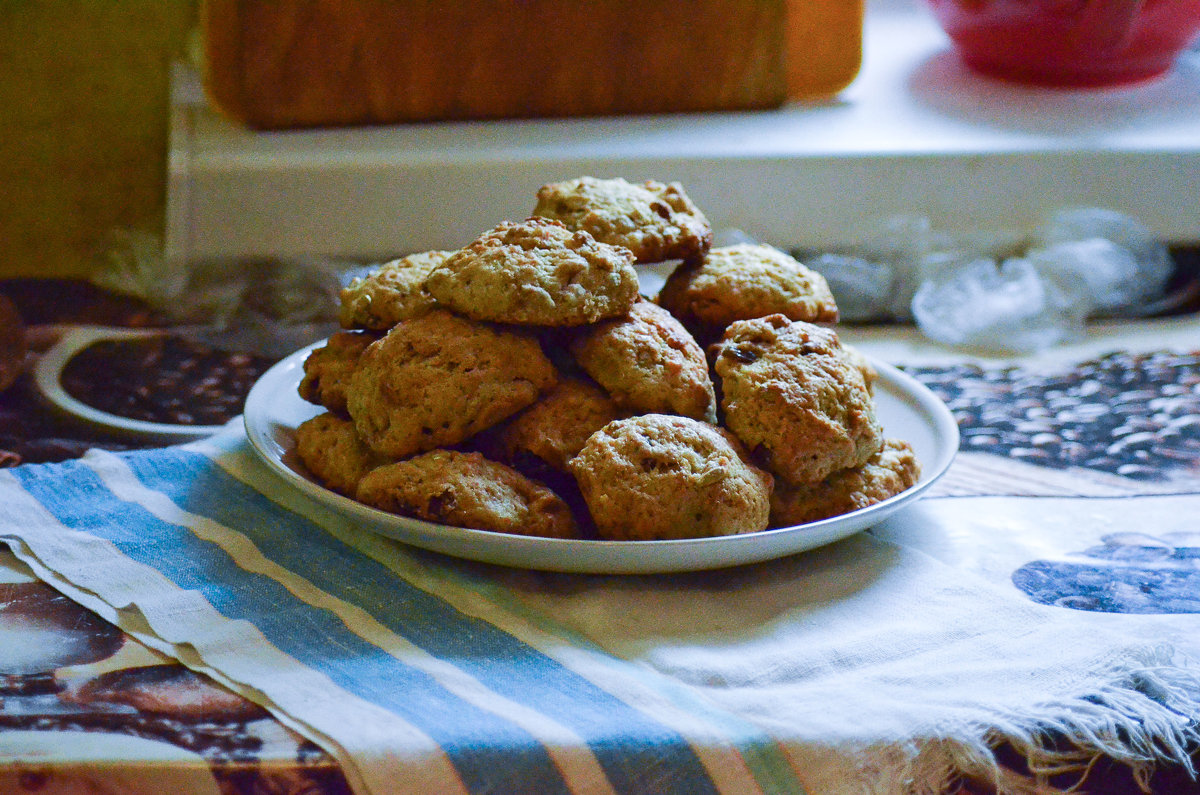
x=84, y=87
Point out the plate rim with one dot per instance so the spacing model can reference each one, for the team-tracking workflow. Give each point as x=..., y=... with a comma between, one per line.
x=47, y=378
x=547, y=554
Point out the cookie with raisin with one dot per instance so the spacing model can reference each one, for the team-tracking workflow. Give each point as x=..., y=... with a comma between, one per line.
x=536, y=273
x=327, y=369
x=556, y=427
x=892, y=470
x=656, y=221
x=392, y=292
x=437, y=379
x=332, y=451
x=648, y=363
x=465, y=489
x=795, y=398
x=743, y=282
x=660, y=476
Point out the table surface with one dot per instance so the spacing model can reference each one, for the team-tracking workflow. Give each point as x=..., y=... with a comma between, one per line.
x=147, y=719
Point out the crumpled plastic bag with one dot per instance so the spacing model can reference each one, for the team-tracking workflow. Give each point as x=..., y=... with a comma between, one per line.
x=1003, y=290
x=270, y=307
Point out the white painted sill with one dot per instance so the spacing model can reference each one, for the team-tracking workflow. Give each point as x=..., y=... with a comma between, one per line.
x=915, y=132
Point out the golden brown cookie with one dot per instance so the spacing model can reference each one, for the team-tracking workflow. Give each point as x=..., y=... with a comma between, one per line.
x=869, y=373
x=555, y=428
x=887, y=473
x=330, y=448
x=467, y=490
x=743, y=282
x=437, y=379
x=659, y=476
x=648, y=362
x=795, y=398
x=390, y=293
x=327, y=369
x=536, y=273
x=655, y=221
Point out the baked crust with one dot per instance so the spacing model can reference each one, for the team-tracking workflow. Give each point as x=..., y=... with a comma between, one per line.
x=332, y=451
x=465, y=489
x=536, y=272
x=648, y=362
x=869, y=374
x=889, y=472
x=743, y=282
x=556, y=427
x=795, y=398
x=659, y=476
x=392, y=292
x=327, y=369
x=656, y=221
x=437, y=379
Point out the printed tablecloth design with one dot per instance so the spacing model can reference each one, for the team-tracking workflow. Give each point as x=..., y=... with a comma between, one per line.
x=894, y=659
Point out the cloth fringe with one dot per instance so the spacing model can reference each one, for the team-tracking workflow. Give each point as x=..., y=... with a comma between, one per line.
x=1147, y=716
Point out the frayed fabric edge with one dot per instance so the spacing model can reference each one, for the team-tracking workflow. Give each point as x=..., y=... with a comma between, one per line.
x=1146, y=716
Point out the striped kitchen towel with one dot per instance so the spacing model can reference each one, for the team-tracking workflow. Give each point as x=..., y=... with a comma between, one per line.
x=866, y=666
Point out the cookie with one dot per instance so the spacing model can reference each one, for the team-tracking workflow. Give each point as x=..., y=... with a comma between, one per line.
x=655, y=221
x=659, y=476
x=327, y=369
x=649, y=363
x=555, y=428
x=794, y=397
x=464, y=489
x=390, y=293
x=869, y=373
x=743, y=282
x=887, y=473
x=537, y=273
x=332, y=451
x=437, y=379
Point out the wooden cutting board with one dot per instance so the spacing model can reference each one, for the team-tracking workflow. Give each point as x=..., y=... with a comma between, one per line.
x=276, y=64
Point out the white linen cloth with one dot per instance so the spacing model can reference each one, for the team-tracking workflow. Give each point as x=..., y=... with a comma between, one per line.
x=885, y=663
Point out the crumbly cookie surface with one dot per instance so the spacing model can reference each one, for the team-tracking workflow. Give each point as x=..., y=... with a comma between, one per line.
x=536, y=272
x=465, y=489
x=743, y=282
x=889, y=472
x=390, y=293
x=437, y=379
x=330, y=448
x=794, y=397
x=869, y=373
x=648, y=362
x=327, y=369
x=658, y=476
x=556, y=427
x=656, y=221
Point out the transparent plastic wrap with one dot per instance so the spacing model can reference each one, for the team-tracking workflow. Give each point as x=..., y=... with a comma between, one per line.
x=266, y=307
x=1005, y=290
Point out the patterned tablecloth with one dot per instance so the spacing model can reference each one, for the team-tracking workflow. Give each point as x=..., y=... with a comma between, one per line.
x=1114, y=420
x=84, y=707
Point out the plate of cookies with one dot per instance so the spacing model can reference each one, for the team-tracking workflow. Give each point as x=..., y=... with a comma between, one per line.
x=529, y=400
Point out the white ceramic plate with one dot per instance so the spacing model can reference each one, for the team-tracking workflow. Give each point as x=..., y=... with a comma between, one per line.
x=47, y=377
x=907, y=409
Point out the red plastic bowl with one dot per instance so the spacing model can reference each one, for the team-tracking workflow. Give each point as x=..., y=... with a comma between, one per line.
x=1069, y=43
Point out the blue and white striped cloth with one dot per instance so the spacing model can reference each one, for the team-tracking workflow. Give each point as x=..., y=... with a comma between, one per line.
x=864, y=666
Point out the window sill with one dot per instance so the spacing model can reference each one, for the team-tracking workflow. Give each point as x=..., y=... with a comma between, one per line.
x=914, y=133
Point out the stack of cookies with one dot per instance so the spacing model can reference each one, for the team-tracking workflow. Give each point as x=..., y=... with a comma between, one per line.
x=523, y=384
